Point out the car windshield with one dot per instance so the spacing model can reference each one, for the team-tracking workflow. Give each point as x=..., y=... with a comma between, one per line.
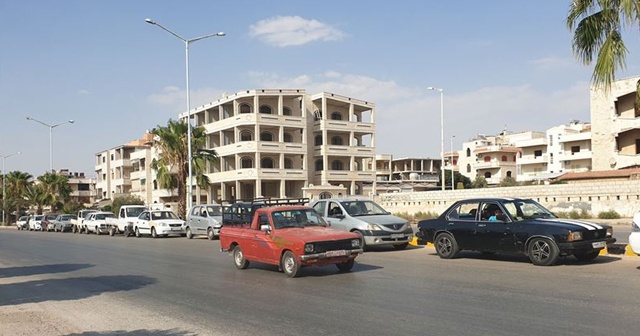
x=103, y=216
x=38, y=218
x=363, y=208
x=50, y=216
x=296, y=218
x=214, y=210
x=68, y=217
x=163, y=215
x=526, y=209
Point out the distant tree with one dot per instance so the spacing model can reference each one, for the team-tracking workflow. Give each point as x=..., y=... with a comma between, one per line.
x=57, y=189
x=37, y=197
x=72, y=207
x=597, y=33
x=508, y=181
x=125, y=200
x=17, y=184
x=479, y=182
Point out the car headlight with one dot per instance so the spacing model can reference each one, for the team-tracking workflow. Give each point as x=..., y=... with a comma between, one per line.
x=373, y=227
x=573, y=236
x=163, y=224
x=308, y=248
x=609, y=232
x=635, y=227
x=355, y=242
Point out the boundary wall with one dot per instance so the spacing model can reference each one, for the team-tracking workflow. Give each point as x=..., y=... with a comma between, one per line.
x=593, y=197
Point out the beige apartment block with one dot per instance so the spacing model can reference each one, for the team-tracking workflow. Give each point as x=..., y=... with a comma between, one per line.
x=493, y=157
x=113, y=169
x=533, y=159
x=83, y=189
x=570, y=148
x=615, y=126
x=406, y=174
x=287, y=143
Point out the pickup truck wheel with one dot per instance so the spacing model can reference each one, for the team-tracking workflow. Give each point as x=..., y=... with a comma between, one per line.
x=210, y=234
x=290, y=265
x=97, y=231
x=238, y=258
x=153, y=233
x=138, y=235
x=347, y=266
x=542, y=252
x=446, y=246
x=112, y=232
x=86, y=230
x=189, y=234
x=588, y=256
x=401, y=246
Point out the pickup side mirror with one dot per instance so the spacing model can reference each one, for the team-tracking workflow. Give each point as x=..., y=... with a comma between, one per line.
x=265, y=227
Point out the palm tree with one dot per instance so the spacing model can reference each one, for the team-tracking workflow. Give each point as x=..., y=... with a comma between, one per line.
x=36, y=195
x=56, y=188
x=17, y=184
x=172, y=165
x=598, y=34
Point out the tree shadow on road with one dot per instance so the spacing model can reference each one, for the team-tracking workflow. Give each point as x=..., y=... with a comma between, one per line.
x=9, y=272
x=140, y=332
x=69, y=289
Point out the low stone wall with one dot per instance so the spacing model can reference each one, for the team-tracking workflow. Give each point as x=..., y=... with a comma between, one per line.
x=593, y=197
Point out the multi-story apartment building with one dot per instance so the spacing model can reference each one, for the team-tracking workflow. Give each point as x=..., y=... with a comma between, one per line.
x=406, y=174
x=569, y=148
x=113, y=170
x=83, y=189
x=493, y=157
x=615, y=126
x=533, y=159
x=286, y=143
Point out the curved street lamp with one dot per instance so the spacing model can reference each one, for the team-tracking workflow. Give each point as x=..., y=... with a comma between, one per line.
x=51, y=127
x=186, y=48
x=4, y=173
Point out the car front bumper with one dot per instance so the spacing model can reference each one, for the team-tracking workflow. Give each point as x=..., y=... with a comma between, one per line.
x=381, y=237
x=165, y=230
x=584, y=246
x=329, y=256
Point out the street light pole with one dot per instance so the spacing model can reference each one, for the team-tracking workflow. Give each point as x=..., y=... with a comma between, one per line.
x=186, y=51
x=51, y=127
x=4, y=173
x=452, y=179
x=441, y=130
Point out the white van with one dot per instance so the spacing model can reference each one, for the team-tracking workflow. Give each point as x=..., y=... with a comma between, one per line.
x=376, y=225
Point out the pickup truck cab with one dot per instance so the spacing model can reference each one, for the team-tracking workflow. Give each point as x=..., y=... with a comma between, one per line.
x=76, y=223
x=287, y=234
x=124, y=223
x=366, y=218
x=204, y=219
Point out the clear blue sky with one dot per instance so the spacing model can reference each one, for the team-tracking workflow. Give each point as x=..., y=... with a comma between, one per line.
x=502, y=63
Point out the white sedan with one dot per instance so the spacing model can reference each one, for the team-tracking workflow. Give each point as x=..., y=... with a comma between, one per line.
x=634, y=237
x=159, y=223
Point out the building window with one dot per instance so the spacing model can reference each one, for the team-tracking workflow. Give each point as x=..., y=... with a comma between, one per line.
x=245, y=108
x=246, y=136
x=537, y=153
x=487, y=175
x=637, y=146
x=503, y=158
x=286, y=111
x=337, y=165
x=287, y=137
x=336, y=116
x=575, y=149
x=336, y=140
x=487, y=159
x=508, y=173
x=468, y=152
x=468, y=168
x=266, y=163
x=246, y=162
x=318, y=140
x=550, y=140
x=551, y=158
x=317, y=115
x=266, y=136
x=288, y=163
x=325, y=195
x=266, y=109
x=319, y=166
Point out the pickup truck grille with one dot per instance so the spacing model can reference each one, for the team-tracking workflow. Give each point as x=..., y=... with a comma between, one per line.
x=325, y=246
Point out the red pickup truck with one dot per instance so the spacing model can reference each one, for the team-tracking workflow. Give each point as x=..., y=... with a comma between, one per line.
x=285, y=233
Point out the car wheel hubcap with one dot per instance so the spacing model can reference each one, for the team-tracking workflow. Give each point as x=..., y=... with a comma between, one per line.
x=444, y=245
x=541, y=250
x=239, y=258
x=288, y=265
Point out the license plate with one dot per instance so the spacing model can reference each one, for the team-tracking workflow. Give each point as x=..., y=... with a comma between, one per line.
x=598, y=244
x=397, y=236
x=175, y=229
x=337, y=253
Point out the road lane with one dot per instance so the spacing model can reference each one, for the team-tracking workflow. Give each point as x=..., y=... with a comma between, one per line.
x=179, y=286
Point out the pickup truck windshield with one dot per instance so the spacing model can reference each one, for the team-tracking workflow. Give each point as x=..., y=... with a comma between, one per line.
x=363, y=208
x=134, y=212
x=296, y=218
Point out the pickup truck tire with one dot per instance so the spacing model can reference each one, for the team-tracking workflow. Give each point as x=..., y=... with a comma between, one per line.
x=97, y=231
x=210, y=234
x=189, y=234
x=86, y=230
x=138, y=235
x=112, y=231
x=347, y=266
x=289, y=264
x=238, y=258
x=153, y=233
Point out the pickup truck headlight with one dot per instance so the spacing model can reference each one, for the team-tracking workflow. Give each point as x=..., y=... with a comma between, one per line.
x=355, y=242
x=308, y=248
x=573, y=236
x=373, y=227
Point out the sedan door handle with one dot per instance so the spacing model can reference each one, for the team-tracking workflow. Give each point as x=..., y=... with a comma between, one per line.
x=482, y=225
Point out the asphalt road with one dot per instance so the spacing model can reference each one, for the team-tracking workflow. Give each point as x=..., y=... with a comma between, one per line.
x=101, y=285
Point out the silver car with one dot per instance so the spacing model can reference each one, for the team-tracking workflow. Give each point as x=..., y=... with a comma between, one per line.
x=365, y=217
x=205, y=219
x=62, y=223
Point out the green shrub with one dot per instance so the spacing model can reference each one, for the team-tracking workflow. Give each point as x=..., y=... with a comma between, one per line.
x=611, y=214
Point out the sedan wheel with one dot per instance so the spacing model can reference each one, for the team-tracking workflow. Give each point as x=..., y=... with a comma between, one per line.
x=446, y=246
x=543, y=252
x=153, y=233
x=290, y=265
x=210, y=234
x=238, y=258
x=189, y=234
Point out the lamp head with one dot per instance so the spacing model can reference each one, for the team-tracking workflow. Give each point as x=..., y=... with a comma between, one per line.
x=221, y=34
x=147, y=20
x=71, y=121
x=28, y=118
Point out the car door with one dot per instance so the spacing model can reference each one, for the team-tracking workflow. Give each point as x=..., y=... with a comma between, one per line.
x=336, y=216
x=494, y=235
x=460, y=221
x=196, y=221
x=143, y=222
x=261, y=243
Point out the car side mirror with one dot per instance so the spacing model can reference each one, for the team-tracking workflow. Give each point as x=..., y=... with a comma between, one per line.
x=265, y=228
